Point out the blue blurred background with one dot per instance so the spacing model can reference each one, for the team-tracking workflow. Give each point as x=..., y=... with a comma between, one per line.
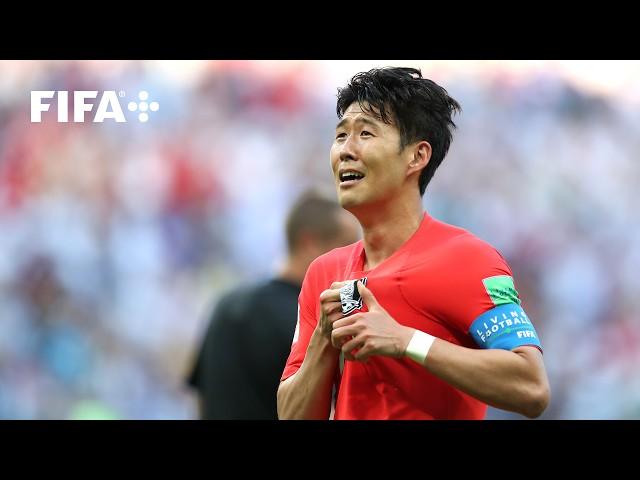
x=117, y=238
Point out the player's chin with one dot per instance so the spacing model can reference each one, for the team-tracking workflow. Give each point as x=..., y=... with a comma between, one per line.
x=348, y=200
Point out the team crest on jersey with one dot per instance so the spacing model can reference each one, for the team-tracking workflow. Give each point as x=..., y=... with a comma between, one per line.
x=350, y=296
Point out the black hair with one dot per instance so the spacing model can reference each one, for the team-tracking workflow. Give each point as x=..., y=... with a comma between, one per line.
x=419, y=107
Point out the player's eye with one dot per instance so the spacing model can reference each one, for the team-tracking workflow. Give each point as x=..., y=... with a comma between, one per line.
x=366, y=133
x=341, y=135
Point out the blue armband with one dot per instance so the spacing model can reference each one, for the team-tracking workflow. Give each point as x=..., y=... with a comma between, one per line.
x=504, y=327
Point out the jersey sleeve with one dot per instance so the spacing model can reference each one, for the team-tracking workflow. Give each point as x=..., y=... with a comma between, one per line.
x=485, y=303
x=308, y=310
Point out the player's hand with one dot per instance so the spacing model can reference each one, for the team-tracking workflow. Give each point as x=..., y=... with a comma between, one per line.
x=370, y=333
x=330, y=308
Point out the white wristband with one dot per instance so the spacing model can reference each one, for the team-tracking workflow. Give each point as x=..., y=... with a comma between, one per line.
x=419, y=346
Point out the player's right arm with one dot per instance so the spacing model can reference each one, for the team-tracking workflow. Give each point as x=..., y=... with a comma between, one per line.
x=306, y=394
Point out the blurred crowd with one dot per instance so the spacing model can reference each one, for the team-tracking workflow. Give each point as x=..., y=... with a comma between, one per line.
x=117, y=239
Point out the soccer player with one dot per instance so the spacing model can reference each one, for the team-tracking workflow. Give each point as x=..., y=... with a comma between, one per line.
x=248, y=338
x=433, y=328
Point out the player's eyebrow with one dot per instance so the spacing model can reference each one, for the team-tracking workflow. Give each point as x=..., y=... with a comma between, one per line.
x=364, y=120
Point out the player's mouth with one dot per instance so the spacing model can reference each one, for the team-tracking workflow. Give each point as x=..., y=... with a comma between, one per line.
x=349, y=178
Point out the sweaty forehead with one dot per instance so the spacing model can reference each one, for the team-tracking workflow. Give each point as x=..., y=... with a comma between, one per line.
x=355, y=112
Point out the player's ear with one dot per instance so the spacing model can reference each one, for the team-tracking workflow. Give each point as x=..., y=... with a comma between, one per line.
x=420, y=156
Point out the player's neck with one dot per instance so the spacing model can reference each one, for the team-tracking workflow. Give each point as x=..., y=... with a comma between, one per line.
x=386, y=231
x=294, y=269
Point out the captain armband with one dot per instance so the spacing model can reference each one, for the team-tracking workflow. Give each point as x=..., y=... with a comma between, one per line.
x=504, y=327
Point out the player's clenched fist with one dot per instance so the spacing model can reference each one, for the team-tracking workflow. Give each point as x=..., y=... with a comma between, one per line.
x=330, y=308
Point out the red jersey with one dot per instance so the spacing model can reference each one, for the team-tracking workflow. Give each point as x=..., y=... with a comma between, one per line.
x=434, y=283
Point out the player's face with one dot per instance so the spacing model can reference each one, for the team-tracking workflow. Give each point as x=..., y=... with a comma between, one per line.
x=368, y=166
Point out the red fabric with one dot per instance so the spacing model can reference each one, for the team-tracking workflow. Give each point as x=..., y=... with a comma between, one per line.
x=433, y=282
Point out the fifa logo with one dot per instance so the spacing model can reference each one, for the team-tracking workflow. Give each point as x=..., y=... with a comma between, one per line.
x=108, y=106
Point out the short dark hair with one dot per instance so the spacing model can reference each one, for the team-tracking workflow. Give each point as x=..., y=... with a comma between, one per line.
x=421, y=109
x=314, y=213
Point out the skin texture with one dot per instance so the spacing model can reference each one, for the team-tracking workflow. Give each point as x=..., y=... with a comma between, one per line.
x=388, y=205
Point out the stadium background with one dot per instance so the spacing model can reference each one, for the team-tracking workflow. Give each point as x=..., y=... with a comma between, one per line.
x=116, y=239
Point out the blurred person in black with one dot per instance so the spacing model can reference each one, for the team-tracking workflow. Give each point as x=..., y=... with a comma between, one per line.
x=238, y=367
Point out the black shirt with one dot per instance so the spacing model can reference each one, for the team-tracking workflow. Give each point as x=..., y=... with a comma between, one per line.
x=244, y=351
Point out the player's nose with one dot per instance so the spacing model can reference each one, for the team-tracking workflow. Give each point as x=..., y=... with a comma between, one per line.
x=348, y=150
